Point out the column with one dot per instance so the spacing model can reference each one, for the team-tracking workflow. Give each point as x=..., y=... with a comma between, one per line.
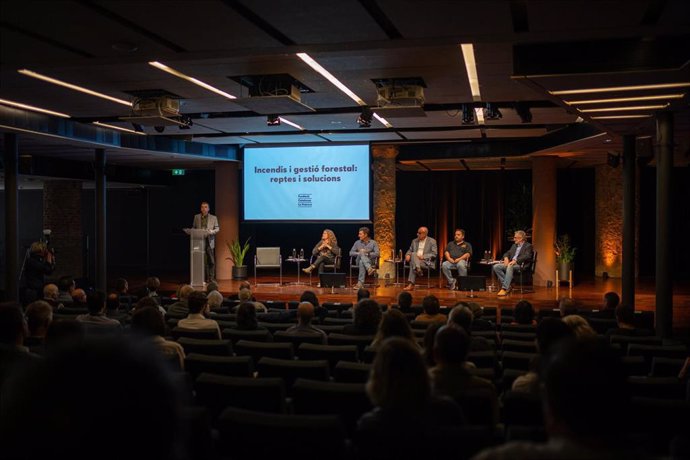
x=384, y=204
x=100, y=189
x=664, y=171
x=629, y=177
x=10, y=159
x=608, y=220
x=62, y=216
x=228, y=213
x=544, y=218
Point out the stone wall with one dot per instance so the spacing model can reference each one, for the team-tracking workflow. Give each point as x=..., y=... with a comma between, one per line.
x=608, y=220
x=62, y=215
x=384, y=204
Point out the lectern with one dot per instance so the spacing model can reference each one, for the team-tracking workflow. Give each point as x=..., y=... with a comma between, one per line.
x=197, y=251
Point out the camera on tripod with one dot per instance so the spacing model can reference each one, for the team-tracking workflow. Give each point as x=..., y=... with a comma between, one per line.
x=45, y=239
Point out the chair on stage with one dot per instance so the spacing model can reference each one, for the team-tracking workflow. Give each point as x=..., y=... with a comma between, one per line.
x=526, y=271
x=354, y=266
x=334, y=267
x=430, y=265
x=268, y=258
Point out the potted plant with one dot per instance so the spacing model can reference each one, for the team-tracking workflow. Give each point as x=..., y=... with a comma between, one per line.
x=237, y=255
x=565, y=254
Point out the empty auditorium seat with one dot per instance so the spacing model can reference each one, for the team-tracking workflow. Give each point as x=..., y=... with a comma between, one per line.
x=258, y=350
x=235, y=366
x=516, y=360
x=235, y=335
x=206, y=347
x=290, y=369
x=362, y=341
x=332, y=353
x=349, y=372
x=666, y=367
x=519, y=345
x=297, y=339
x=209, y=334
x=657, y=387
x=216, y=392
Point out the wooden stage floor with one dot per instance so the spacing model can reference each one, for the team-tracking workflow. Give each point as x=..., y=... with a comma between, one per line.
x=587, y=293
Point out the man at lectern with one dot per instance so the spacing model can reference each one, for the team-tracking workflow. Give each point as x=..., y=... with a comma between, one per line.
x=209, y=222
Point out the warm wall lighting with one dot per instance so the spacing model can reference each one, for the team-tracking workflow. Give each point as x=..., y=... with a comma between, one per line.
x=196, y=81
x=32, y=74
x=119, y=128
x=620, y=88
x=31, y=107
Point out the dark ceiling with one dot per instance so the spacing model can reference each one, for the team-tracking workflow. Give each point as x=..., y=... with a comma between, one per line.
x=524, y=51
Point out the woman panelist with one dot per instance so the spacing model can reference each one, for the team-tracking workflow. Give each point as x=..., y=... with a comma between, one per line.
x=326, y=249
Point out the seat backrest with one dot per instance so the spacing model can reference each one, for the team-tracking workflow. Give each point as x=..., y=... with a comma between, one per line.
x=209, y=334
x=332, y=353
x=217, y=392
x=268, y=257
x=290, y=369
x=236, y=366
x=297, y=339
x=533, y=265
x=257, y=350
x=235, y=335
x=347, y=372
x=206, y=347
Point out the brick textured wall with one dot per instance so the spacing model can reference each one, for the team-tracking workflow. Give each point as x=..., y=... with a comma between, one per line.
x=384, y=204
x=62, y=215
x=608, y=220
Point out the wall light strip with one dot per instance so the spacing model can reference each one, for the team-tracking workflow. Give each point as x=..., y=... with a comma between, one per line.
x=614, y=117
x=655, y=97
x=32, y=74
x=196, y=81
x=330, y=77
x=621, y=88
x=119, y=128
x=31, y=107
x=632, y=107
x=471, y=66
x=288, y=122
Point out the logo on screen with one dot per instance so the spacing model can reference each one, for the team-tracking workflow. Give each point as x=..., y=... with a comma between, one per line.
x=304, y=200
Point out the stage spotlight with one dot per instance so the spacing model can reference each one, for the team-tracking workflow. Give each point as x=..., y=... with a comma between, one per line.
x=273, y=120
x=364, y=118
x=523, y=112
x=613, y=159
x=491, y=112
x=187, y=122
x=467, y=114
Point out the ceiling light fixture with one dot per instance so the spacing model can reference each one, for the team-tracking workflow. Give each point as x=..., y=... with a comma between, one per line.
x=196, y=81
x=492, y=112
x=616, y=117
x=31, y=107
x=467, y=114
x=523, y=111
x=621, y=88
x=471, y=66
x=656, y=97
x=364, y=118
x=288, y=122
x=32, y=74
x=620, y=109
x=272, y=120
x=119, y=128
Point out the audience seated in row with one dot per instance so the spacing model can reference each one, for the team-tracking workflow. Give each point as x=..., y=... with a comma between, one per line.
x=66, y=287
x=181, y=308
x=14, y=356
x=625, y=318
x=432, y=308
x=51, y=294
x=524, y=314
x=39, y=315
x=96, y=315
x=580, y=326
x=367, y=316
x=198, y=309
x=148, y=322
x=305, y=313
x=461, y=317
x=394, y=324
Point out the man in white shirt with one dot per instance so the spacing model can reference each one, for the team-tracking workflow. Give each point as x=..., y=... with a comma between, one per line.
x=198, y=307
x=421, y=255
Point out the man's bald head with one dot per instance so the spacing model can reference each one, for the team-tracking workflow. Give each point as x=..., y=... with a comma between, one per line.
x=305, y=312
x=50, y=291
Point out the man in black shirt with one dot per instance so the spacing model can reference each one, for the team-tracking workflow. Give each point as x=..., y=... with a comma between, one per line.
x=457, y=255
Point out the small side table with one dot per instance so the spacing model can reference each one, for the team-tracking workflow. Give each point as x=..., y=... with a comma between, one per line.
x=298, y=261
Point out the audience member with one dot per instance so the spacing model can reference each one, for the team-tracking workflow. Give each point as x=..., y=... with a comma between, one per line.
x=524, y=314
x=212, y=286
x=404, y=301
x=152, y=286
x=149, y=322
x=305, y=313
x=14, y=356
x=96, y=316
x=611, y=301
x=122, y=290
x=479, y=323
x=394, y=324
x=243, y=285
x=567, y=306
x=72, y=405
x=432, y=308
x=79, y=299
x=245, y=295
x=550, y=331
x=461, y=317
x=580, y=326
x=451, y=377
x=39, y=264
x=63, y=333
x=362, y=294
x=112, y=308
x=367, y=316
x=51, y=294
x=429, y=337
x=198, y=307
x=625, y=318
x=215, y=299
x=585, y=404
x=66, y=286
x=310, y=296
x=39, y=315
x=405, y=411
x=180, y=309
x=246, y=317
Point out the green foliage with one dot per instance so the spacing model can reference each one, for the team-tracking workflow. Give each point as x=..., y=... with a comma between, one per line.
x=237, y=252
x=565, y=253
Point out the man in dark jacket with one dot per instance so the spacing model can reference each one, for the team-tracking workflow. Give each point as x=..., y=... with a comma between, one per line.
x=39, y=264
x=519, y=253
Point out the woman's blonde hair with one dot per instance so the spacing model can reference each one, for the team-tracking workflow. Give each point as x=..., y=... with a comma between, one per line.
x=580, y=326
x=332, y=240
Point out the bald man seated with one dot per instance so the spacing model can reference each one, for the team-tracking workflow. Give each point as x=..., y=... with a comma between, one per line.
x=421, y=255
x=305, y=313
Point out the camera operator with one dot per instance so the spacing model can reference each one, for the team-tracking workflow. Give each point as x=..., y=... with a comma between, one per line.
x=41, y=262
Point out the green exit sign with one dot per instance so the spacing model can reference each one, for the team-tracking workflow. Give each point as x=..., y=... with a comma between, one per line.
x=178, y=172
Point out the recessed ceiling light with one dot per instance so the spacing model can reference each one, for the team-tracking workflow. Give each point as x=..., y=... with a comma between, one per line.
x=620, y=88
x=31, y=107
x=471, y=66
x=655, y=97
x=55, y=81
x=119, y=128
x=632, y=107
x=288, y=122
x=614, y=117
x=196, y=81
